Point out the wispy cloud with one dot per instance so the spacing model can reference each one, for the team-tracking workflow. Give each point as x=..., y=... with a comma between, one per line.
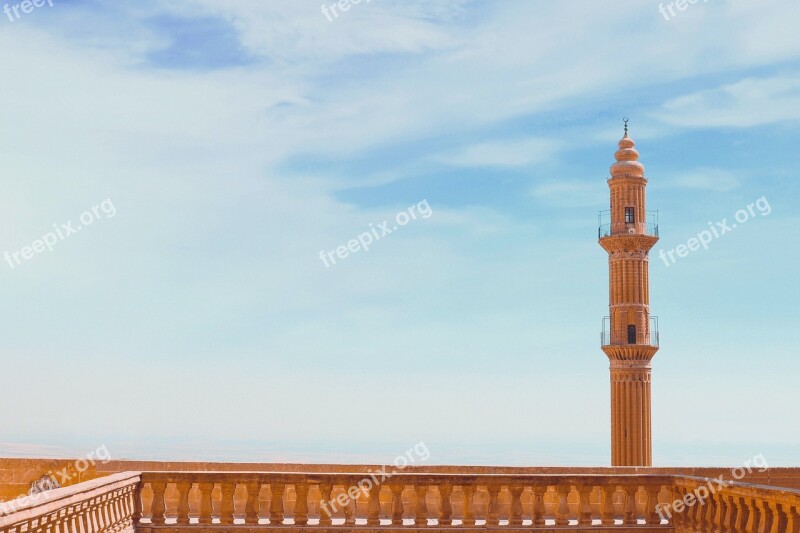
x=510, y=153
x=705, y=178
x=749, y=102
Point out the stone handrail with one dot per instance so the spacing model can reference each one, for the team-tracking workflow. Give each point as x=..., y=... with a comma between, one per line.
x=198, y=499
x=730, y=506
x=103, y=504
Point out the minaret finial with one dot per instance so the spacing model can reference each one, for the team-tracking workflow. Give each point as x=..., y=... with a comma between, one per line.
x=625, y=120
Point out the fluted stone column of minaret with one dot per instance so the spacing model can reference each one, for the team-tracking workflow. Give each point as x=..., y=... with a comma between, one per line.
x=629, y=345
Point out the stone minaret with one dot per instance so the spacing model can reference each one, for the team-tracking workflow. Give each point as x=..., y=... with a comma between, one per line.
x=630, y=334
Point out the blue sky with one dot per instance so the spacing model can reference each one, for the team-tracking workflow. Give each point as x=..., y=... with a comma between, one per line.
x=237, y=140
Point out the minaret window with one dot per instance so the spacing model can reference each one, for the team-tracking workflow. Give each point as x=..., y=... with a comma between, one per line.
x=632, y=334
x=630, y=216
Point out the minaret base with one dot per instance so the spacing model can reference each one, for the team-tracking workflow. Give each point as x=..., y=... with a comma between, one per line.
x=631, y=443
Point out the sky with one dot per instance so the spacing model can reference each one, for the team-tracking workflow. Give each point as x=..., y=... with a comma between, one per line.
x=179, y=177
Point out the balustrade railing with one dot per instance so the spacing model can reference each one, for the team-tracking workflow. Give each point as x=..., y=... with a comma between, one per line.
x=152, y=502
x=193, y=499
x=106, y=504
x=732, y=507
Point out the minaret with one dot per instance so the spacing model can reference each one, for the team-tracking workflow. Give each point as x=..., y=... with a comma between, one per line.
x=630, y=334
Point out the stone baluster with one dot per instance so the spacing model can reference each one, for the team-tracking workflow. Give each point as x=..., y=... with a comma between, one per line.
x=778, y=518
x=515, y=516
x=325, y=504
x=562, y=505
x=349, y=509
x=765, y=516
x=206, y=509
x=301, y=503
x=719, y=512
x=742, y=514
x=792, y=517
x=374, y=506
x=397, y=504
x=651, y=515
x=753, y=517
x=631, y=511
x=730, y=512
x=276, y=503
x=183, y=489
x=493, y=512
x=585, y=505
x=538, y=512
x=468, y=512
x=158, y=506
x=446, y=508
x=136, y=516
x=708, y=511
x=252, y=508
x=226, y=505
x=607, y=511
x=421, y=509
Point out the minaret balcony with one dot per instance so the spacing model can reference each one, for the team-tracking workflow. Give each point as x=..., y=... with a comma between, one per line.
x=612, y=228
x=625, y=336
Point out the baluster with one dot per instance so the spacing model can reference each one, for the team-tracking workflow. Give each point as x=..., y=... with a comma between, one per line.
x=515, y=516
x=325, y=514
x=585, y=505
x=468, y=513
x=562, y=505
x=719, y=512
x=183, y=501
x=493, y=512
x=446, y=508
x=95, y=515
x=158, y=507
x=105, y=511
x=397, y=504
x=651, y=514
x=301, y=504
x=276, y=503
x=792, y=518
x=205, y=502
x=349, y=508
x=778, y=518
x=742, y=514
x=252, y=508
x=765, y=517
x=607, y=511
x=374, y=506
x=137, y=504
x=421, y=508
x=631, y=512
x=537, y=515
x=709, y=512
x=85, y=517
x=730, y=513
x=752, y=516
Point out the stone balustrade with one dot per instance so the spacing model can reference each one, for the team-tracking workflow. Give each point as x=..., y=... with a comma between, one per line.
x=103, y=504
x=175, y=500
x=733, y=507
x=154, y=502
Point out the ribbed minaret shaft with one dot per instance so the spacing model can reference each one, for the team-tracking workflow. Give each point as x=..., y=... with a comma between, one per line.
x=629, y=342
